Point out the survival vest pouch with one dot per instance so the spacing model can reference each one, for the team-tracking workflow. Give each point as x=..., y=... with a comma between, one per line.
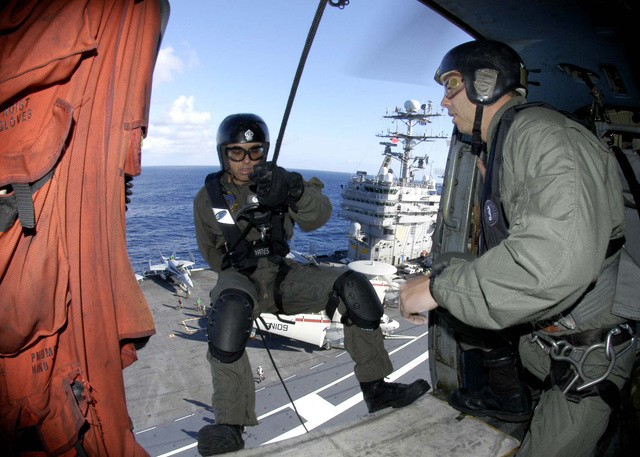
x=615, y=286
x=238, y=252
x=29, y=159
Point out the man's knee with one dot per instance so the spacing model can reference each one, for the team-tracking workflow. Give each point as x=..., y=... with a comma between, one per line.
x=230, y=323
x=363, y=307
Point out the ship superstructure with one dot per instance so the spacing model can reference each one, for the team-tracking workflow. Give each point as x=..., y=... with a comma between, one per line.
x=393, y=216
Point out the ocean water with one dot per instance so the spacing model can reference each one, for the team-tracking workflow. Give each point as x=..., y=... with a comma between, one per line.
x=160, y=215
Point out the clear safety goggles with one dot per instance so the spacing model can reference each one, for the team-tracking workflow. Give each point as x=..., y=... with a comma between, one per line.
x=237, y=153
x=453, y=84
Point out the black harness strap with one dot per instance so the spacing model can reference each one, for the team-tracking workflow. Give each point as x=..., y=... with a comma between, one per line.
x=494, y=226
x=237, y=251
x=629, y=175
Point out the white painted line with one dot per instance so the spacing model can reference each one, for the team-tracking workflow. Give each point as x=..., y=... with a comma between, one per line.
x=179, y=450
x=316, y=366
x=290, y=377
x=182, y=418
x=145, y=430
x=317, y=410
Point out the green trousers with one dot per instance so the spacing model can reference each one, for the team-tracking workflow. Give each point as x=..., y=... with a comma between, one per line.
x=305, y=289
x=563, y=428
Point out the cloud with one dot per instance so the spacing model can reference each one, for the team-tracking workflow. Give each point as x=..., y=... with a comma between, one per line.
x=167, y=65
x=172, y=62
x=183, y=112
x=180, y=136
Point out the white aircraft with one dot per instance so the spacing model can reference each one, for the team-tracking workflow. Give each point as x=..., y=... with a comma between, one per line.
x=318, y=328
x=171, y=266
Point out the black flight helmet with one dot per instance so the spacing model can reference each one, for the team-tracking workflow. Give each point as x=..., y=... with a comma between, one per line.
x=489, y=70
x=241, y=128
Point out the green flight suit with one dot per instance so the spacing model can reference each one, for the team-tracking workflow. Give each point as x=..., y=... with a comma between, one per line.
x=563, y=199
x=305, y=289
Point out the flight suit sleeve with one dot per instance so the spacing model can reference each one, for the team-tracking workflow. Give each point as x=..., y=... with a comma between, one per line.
x=314, y=208
x=208, y=235
x=562, y=207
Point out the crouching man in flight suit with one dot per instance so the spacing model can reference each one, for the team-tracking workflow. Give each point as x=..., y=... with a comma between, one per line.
x=551, y=258
x=244, y=216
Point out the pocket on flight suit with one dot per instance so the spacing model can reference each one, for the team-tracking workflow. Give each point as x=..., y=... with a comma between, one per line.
x=33, y=264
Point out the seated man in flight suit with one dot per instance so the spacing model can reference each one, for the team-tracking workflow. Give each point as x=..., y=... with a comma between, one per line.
x=246, y=243
x=551, y=258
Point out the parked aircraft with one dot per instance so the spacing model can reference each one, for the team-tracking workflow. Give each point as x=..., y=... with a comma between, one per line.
x=175, y=268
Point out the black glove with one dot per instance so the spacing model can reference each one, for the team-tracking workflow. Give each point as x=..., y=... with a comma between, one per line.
x=128, y=186
x=276, y=186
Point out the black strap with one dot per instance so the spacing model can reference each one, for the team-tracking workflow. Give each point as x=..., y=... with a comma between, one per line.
x=237, y=249
x=476, y=139
x=594, y=336
x=231, y=232
x=26, y=212
x=629, y=175
x=238, y=252
x=614, y=246
x=24, y=199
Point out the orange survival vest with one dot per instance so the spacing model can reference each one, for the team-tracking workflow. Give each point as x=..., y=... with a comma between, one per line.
x=75, y=86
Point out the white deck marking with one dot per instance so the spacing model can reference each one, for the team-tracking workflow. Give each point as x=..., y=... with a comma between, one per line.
x=316, y=409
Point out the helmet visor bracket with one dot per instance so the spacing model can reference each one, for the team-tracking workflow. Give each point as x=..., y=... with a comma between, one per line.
x=238, y=153
x=453, y=84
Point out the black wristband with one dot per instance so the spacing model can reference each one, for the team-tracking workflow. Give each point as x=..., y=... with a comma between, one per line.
x=434, y=273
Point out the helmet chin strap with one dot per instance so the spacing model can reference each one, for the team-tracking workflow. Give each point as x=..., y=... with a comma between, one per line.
x=476, y=142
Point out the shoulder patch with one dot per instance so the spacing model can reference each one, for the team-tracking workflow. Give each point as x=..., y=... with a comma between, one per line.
x=491, y=213
x=232, y=201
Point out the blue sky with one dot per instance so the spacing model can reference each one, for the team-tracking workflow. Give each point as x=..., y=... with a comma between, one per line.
x=220, y=57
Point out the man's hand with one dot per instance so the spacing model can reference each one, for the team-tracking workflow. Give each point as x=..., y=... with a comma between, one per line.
x=276, y=186
x=482, y=167
x=415, y=298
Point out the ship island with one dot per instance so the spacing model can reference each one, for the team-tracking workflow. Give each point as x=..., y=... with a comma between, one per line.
x=392, y=216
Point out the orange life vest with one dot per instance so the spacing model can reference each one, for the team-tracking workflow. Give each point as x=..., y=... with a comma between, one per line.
x=75, y=85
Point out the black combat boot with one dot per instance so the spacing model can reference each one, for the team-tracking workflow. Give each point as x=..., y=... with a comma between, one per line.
x=380, y=394
x=505, y=397
x=220, y=438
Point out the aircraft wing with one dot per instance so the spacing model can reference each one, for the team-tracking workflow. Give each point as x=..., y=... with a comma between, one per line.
x=186, y=263
x=597, y=35
x=158, y=267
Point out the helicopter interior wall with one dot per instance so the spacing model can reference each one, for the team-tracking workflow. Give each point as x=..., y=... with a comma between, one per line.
x=591, y=34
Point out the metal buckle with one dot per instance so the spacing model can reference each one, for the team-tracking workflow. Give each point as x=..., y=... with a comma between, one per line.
x=563, y=351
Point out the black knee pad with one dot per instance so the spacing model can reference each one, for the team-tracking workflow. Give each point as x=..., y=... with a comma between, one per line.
x=230, y=323
x=363, y=305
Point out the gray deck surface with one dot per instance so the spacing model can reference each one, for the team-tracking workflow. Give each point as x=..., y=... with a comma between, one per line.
x=169, y=393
